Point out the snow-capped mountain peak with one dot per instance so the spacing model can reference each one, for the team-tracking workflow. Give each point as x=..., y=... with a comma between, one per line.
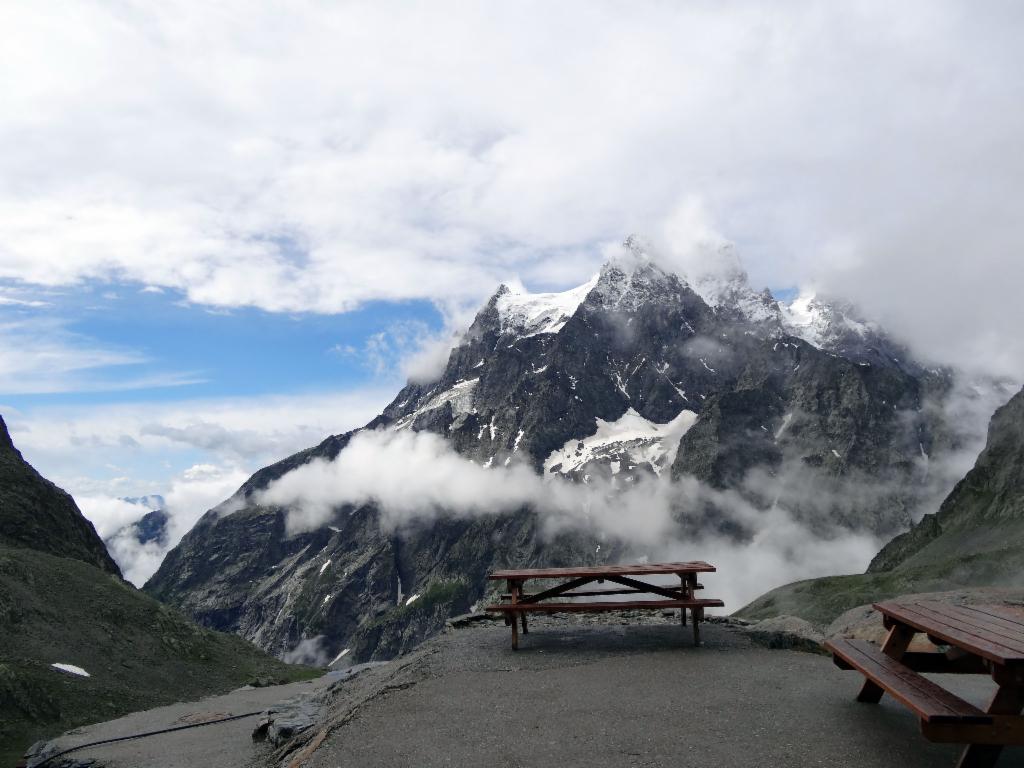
x=528, y=314
x=821, y=323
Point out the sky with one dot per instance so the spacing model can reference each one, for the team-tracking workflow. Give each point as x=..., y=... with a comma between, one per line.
x=230, y=229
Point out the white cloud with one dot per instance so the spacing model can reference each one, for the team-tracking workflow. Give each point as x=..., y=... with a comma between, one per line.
x=90, y=439
x=40, y=355
x=417, y=477
x=338, y=154
x=109, y=514
x=187, y=497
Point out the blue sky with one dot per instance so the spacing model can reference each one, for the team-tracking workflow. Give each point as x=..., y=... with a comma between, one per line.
x=187, y=350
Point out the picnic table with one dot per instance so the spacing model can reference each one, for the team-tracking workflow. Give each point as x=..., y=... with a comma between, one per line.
x=978, y=639
x=517, y=603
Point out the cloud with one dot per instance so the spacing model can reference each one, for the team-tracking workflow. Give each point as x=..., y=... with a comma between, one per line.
x=310, y=650
x=187, y=497
x=862, y=147
x=109, y=514
x=71, y=444
x=418, y=477
x=412, y=347
x=41, y=356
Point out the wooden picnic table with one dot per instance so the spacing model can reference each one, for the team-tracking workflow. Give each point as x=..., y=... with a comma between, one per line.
x=519, y=603
x=979, y=639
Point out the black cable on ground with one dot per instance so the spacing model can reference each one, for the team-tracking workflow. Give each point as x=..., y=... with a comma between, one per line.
x=148, y=733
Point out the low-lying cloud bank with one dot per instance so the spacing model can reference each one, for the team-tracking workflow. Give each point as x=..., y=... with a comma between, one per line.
x=419, y=477
x=194, y=491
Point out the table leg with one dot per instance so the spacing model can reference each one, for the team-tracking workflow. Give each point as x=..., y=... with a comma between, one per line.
x=696, y=614
x=515, y=590
x=683, y=588
x=895, y=646
x=1007, y=700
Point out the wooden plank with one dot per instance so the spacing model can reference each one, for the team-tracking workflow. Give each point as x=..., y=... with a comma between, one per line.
x=949, y=632
x=984, y=626
x=592, y=593
x=1007, y=701
x=1007, y=613
x=928, y=700
x=670, y=592
x=556, y=590
x=894, y=647
x=638, y=569
x=598, y=607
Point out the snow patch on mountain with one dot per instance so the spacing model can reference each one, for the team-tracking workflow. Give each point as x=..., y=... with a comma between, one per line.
x=525, y=314
x=631, y=435
x=460, y=395
x=819, y=323
x=71, y=669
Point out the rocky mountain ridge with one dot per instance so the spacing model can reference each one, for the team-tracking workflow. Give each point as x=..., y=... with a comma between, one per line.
x=79, y=644
x=634, y=376
x=36, y=514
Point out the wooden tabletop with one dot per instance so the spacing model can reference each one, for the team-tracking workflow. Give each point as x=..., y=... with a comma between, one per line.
x=994, y=632
x=638, y=569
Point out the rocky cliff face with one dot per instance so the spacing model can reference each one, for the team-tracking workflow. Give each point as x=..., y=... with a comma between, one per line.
x=36, y=514
x=984, y=510
x=635, y=375
x=974, y=540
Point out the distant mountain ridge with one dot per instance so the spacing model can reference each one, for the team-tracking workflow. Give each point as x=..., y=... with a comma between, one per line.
x=637, y=374
x=980, y=511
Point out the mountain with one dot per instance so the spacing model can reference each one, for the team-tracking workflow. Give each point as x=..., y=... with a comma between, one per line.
x=35, y=513
x=151, y=527
x=637, y=377
x=975, y=539
x=984, y=514
x=62, y=601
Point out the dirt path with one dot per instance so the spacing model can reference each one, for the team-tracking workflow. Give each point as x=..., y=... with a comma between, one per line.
x=225, y=745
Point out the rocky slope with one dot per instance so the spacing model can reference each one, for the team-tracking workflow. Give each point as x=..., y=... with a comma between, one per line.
x=635, y=376
x=63, y=602
x=976, y=539
x=36, y=513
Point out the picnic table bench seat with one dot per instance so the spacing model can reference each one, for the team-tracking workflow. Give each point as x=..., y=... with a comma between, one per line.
x=608, y=605
x=983, y=639
x=931, y=702
x=587, y=593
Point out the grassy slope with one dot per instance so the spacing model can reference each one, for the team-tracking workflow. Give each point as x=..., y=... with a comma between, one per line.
x=820, y=601
x=139, y=652
x=976, y=539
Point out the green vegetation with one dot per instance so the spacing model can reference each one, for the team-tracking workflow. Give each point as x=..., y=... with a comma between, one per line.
x=821, y=601
x=139, y=653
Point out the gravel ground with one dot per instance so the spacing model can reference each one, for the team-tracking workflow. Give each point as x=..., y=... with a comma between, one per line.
x=605, y=694
x=581, y=691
